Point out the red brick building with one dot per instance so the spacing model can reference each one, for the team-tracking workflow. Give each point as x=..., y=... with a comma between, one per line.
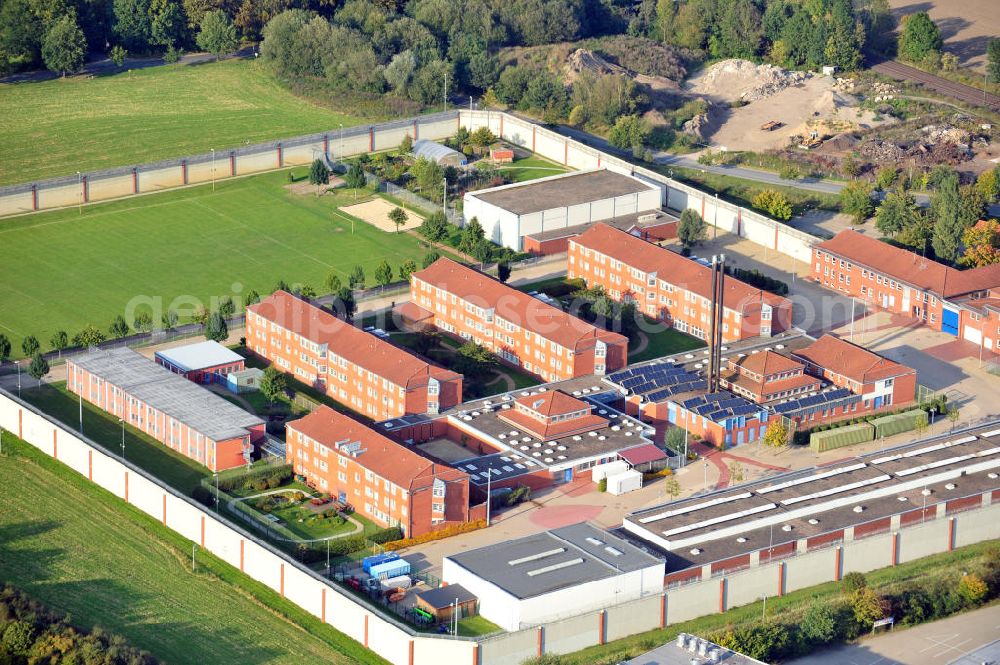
x=385, y=481
x=521, y=330
x=671, y=288
x=880, y=382
x=903, y=282
x=368, y=374
x=766, y=376
x=183, y=416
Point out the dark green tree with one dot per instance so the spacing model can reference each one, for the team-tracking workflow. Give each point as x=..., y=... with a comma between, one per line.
x=38, y=368
x=398, y=217
x=169, y=319
x=90, y=336
x=896, y=212
x=503, y=271
x=357, y=278
x=143, y=322
x=216, y=329
x=691, y=229
x=738, y=31
x=429, y=258
x=167, y=27
x=318, y=173
x=344, y=304
x=434, y=227
x=856, y=200
x=58, y=341
x=273, y=384
x=4, y=348
x=65, y=47
x=119, y=327
x=948, y=224
x=629, y=131
x=472, y=234
x=133, y=24
x=993, y=61
x=383, y=274
x=30, y=346
x=333, y=282
x=118, y=55
x=217, y=34
x=407, y=268
x=920, y=36
x=355, y=177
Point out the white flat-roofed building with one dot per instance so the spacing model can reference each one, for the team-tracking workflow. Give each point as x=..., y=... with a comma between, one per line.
x=555, y=574
x=510, y=212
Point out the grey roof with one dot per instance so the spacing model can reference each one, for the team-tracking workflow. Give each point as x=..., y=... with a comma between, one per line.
x=635, y=220
x=546, y=562
x=170, y=393
x=436, y=152
x=671, y=654
x=200, y=355
x=561, y=191
x=444, y=596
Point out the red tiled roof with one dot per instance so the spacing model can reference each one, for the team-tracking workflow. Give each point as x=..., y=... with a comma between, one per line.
x=766, y=362
x=553, y=403
x=850, y=360
x=515, y=306
x=549, y=430
x=357, y=346
x=383, y=456
x=670, y=266
x=642, y=454
x=765, y=388
x=909, y=267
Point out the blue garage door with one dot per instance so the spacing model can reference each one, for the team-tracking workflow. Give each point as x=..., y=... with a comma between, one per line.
x=949, y=321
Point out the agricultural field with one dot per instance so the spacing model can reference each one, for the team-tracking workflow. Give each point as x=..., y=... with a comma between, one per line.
x=55, y=128
x=178, y=249
x=81, y=551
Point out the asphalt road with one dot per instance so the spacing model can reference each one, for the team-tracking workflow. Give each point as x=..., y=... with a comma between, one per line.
x=936, y=643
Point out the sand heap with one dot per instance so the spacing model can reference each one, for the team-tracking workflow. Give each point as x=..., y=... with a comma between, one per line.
x=743, y=80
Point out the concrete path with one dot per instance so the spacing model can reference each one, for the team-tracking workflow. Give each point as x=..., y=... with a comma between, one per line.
x=936, y=643
x=506, y=378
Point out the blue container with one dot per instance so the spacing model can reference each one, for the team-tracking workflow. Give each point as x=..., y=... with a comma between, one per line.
x=384, y=571
x=374, y=560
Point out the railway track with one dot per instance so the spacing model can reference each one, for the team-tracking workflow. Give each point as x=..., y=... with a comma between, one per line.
x=959, y=91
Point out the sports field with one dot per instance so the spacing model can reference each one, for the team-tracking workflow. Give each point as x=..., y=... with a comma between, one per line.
x=63, y=271
x=61, y=126
x=82, y=551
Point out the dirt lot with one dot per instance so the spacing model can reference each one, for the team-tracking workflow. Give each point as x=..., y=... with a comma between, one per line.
x=376, y=212
x=801, y=103
x=966, y=25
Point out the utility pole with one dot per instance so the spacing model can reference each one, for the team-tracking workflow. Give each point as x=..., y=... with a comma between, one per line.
x=18, y=363
x=122, y=421
x=445, y=92
x=444, y=198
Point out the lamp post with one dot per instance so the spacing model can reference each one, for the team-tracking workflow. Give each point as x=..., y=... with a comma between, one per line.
x=213, y=169
x=216, y=474
x=122, y=421
x=18, y=363
x=704, y=464
x=923, y=511
x=489, y=503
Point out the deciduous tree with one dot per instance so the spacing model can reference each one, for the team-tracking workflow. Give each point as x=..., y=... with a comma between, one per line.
x=4, y=348
x=215, y=328
x=774, y=203
x=982, y=244
x=89, y=336
x=398, y=217
x=920, y=36
x=119, y=327
x=357, y=278
x=64, y=47
x=217, y=34
x=273, y=384
x=30, y=346
x=776, y=435
x=58, y=342
x=38, y=368
x=383, y=274
x=856, y=201
x=691, y=229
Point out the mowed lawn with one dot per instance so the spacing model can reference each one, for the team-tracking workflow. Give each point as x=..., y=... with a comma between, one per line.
x=532, y=168
x=62, y=126
x=82, y=551
x=63, y=271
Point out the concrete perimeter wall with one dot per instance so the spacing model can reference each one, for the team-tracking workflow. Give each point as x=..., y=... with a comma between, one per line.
x=351, y=141
x=230, y=542
x=726, y=216
x=198, y=169
x=709, y=593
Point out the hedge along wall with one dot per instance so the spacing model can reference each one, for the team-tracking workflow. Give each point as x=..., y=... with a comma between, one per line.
x=840, y=437
x=898, y=423
x=380, y=632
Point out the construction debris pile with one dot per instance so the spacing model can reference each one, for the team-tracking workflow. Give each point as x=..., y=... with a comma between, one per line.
x=745, y=81
x=883, y=92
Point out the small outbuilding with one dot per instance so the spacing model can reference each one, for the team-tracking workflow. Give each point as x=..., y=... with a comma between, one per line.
x=245, y=380
x=203, y=362
x=440, y=154
x=501, y=154
x=443, y=601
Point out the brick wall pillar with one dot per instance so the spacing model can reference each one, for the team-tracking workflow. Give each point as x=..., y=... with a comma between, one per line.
x=475, y=654
x=414, y=130
x=232, y=163
x=34, y=197
x=184, y=171
x=90, y=464
x=135, y=181
x=541, y=646
x=281, y=157
x=722, y=596
x=895, y=549
x=781, y=579
x=371, y=140
x=838, y=565
x=663, y=610
x=366, y=632
x=86, y=189
x=951, y=534
x=601, y=626
x=326, y=145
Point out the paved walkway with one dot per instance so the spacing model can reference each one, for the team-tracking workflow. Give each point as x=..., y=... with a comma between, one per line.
x=936, y=643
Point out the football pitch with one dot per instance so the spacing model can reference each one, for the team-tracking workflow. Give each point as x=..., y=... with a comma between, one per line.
x=176, y=250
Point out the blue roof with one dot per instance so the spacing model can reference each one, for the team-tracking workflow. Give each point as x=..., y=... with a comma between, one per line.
x=202, y=355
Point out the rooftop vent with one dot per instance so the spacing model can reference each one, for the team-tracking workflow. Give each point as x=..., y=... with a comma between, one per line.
x=859, y=509
x=787, y=527
x=813, y=521
x=593, y=541
x=950, y=486
x=695, y=551
x=741, y=539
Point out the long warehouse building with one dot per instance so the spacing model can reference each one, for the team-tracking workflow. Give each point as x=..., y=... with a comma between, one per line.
x=176, y=412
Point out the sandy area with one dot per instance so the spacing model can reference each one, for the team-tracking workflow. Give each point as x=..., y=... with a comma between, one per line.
x=966, y=25
x=376, y=212
x=812, y=105
x=306, y=187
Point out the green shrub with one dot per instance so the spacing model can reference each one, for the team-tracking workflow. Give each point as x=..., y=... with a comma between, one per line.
x=203, y=495
x=386, y=535
x=602, y=485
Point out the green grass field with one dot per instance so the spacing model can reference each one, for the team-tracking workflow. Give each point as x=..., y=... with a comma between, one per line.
x=82, y=551
x=532, y=168
x=64, y=271
x=61, y=126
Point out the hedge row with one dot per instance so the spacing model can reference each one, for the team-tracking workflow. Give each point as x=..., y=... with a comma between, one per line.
x=446, y=532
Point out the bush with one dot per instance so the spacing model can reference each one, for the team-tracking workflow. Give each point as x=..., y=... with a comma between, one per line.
x=386, y=535
x=318, y=173
x=446, y=532
x=273, y=475
x=760, y=280
x=519, y=494
x=602, y=485
x=973, y=589
x=355, y=177
x=853, y=582
x=203, y=495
